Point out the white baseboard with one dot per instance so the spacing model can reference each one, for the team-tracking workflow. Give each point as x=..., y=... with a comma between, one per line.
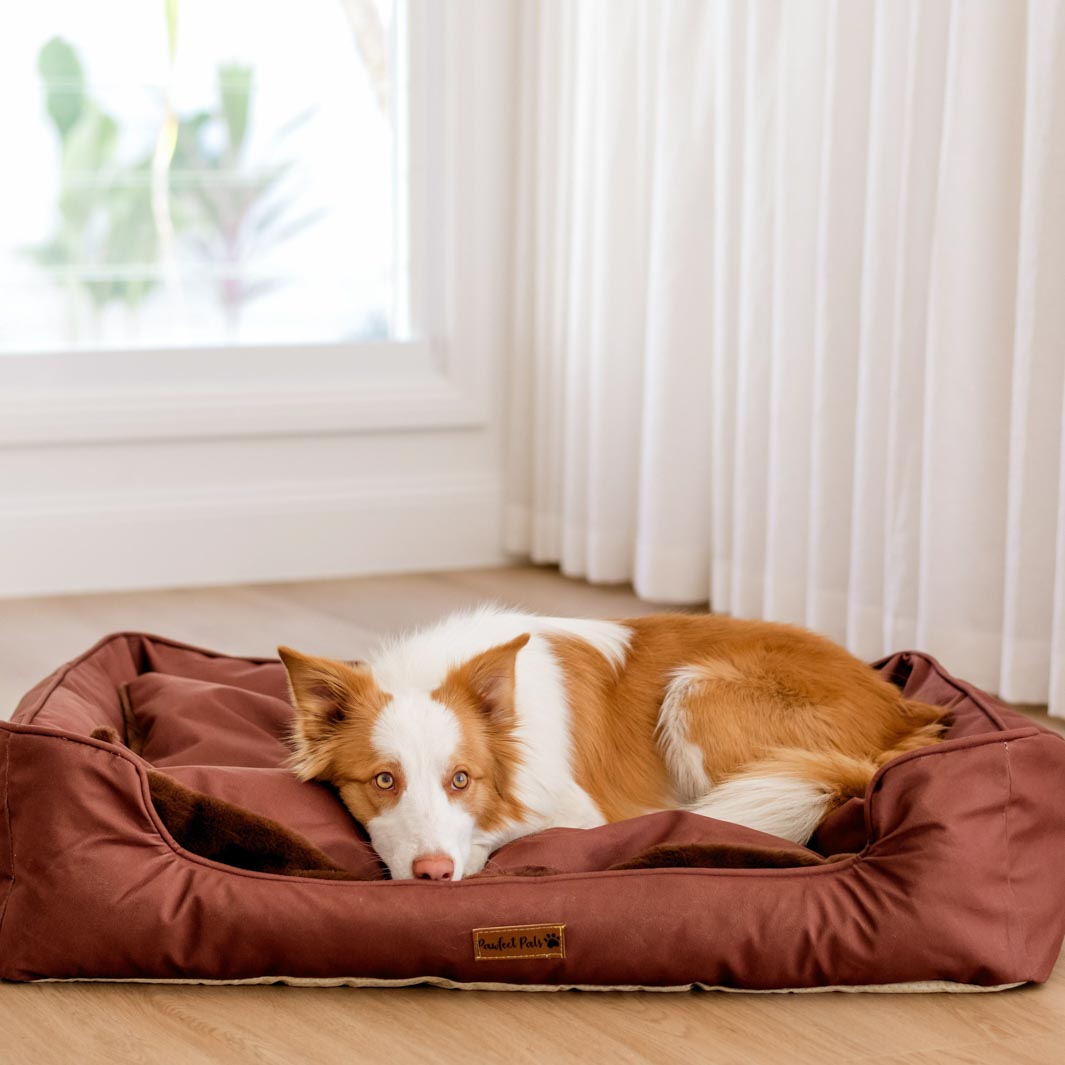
x=128, y=541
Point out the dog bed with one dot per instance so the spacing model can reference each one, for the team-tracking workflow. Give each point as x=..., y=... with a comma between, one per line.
x=149, y=831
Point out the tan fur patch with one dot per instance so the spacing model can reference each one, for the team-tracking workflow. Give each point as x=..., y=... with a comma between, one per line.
x=773, y=686
x=336, y=707
x=362, y=797
x=762, y=692
x=480, y=693
x=612, y=723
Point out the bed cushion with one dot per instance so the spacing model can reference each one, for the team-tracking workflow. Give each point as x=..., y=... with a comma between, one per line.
x=187, y=721
x=950, y=870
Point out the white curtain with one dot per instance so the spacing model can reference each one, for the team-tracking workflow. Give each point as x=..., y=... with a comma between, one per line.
x=789, y=316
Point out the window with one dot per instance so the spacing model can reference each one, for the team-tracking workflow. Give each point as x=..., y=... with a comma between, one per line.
x=202, y=173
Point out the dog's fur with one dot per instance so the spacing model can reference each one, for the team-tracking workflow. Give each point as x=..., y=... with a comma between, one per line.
x=559, y=722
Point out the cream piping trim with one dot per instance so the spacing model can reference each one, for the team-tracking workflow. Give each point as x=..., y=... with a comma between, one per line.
x=914, y=987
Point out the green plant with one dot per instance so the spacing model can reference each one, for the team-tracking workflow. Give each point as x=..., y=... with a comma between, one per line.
x=104, y=209
x=198, y=187
x=239, y=211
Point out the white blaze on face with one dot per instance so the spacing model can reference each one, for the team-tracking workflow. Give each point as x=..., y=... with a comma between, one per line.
x=422, y=736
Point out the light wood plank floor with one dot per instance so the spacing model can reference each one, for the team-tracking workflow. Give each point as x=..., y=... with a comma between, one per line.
x=115, y=1023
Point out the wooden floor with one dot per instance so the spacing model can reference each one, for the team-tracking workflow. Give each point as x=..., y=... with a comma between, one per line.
x=117, y=1023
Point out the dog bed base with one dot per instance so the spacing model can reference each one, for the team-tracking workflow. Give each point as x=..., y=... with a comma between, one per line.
x=914, y=987
x=949, y=874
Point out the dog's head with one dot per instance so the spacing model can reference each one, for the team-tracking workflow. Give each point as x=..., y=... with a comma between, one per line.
x=430, y=774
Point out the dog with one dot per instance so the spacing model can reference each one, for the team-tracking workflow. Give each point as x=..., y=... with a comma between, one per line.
x=495, y=724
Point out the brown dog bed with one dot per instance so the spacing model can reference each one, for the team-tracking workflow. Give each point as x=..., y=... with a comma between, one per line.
x=148, y=830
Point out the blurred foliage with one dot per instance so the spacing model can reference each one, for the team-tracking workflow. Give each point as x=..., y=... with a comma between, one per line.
x=64, y=83
x=104, y=209
x=245, y=213
x=226, y=211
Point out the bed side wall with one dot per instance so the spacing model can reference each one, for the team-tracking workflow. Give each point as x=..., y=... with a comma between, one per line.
x=83, y=693
x=100, y=893
x=7, y=860
x=1035, y=831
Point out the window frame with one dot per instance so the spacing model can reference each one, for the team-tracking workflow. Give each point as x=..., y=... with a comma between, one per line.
x=426, y=378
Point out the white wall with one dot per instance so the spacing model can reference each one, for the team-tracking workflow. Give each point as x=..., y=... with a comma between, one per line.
x=313, y=468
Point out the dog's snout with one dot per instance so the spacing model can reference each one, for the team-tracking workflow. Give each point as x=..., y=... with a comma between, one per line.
x=433, y=867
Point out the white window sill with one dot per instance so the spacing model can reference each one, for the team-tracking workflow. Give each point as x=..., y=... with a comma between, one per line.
x=229, y=392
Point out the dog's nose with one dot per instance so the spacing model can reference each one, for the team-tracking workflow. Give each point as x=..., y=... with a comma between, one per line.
x=433, y=867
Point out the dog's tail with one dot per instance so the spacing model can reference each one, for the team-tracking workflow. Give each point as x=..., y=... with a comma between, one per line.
x=789, y=792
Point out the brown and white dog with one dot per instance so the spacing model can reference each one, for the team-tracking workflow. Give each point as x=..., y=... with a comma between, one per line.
x=495, y=724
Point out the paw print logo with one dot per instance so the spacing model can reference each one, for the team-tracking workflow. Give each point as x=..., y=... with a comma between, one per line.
x=552, y=940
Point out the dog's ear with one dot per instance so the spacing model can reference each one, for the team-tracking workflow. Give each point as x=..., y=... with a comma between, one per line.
x=325, y=694
x=488, y=678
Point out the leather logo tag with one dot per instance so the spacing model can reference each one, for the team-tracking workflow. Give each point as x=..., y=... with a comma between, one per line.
x=519, y=941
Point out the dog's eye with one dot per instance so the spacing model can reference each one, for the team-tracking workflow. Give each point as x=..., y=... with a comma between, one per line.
x=460, y=780
x=385, y=781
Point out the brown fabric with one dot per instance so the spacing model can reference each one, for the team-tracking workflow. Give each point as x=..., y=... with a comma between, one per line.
x=958, y=873
x=230, y=742
x=188, y=721
x=719, y=856
x=313, y=811
x=216, y=829
x=695, y=856
x=519, y=870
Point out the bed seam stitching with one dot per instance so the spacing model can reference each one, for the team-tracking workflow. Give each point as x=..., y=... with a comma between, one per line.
x=66, y=668
x=1014, y=934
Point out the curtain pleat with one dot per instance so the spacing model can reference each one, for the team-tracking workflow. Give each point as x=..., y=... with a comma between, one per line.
x=971, y=304
x=1035, y=531
x=796, y=158
x=892, y=71
x=673, y=527
x=788, y=326
x=837, y=326
x=927, y=61
x=753, y=351
x=730, y=35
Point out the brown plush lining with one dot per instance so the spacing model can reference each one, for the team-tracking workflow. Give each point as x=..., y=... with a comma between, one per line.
x=220, y=830
x=695, y=856
x=226, y=833
x=520, y=870
x=722, y=856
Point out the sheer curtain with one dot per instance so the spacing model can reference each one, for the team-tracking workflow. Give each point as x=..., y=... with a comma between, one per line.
x=789, y=316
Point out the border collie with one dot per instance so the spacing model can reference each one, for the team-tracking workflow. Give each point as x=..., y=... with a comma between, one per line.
x=494, y=724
